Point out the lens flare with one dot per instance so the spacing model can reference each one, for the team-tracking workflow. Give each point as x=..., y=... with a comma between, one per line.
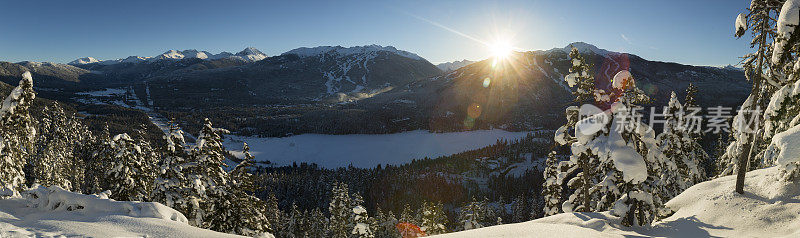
x=501, y=49
x=474, y=110
x=486, y=82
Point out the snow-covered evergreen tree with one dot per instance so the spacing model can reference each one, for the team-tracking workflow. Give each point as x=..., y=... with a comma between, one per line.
x=471, y=215
x=619, y=163
x=536, y=205
x=292, y=224
x=16, y=143
x=432, y=218
x=385, y=224
x=210, y=155
x=631, y=160
x=127, y=176
x=362, y=223
x=172, y=187
x=582, y=164
x=239, y=212
x=581, y=78
x=782, y=115
x=518, y=213
x=273, y=213
x=318, y=224
x=340, y=211
x=551, y=190
x=407, y=215
x=206, y=170
x=240, y=175
x=748, y=145
x=54, y=160
x=681, y=167
x=97, y=161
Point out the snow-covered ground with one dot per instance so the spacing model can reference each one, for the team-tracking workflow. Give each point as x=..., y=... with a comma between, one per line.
x=365, y=151
x=769, y=208
x=53, y=212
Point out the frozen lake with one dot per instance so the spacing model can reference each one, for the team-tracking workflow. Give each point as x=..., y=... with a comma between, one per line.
x=365, y=151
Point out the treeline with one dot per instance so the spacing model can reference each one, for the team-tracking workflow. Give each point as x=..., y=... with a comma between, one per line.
x=468, y=190
x=57, y=149
x=429, y=196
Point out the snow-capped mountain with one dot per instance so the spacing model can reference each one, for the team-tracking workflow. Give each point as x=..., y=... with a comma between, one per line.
x=177, y=55
x=84, y=60
x=249, y=54
x=50, y=74
x=584, y=48
x=530, y=91
x=325, y=73
x=339, y=51
x=450, y=66
x=410, y=92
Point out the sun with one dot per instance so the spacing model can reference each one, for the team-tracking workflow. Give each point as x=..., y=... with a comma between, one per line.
x=501, y=49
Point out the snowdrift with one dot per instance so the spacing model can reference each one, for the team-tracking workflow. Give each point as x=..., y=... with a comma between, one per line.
x=769, y=208
x=53, y=212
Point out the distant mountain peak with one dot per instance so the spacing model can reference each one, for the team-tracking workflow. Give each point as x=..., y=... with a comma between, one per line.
x=84, y=60
x=346, y=51
x=248, y=54
x=584, y=48
x=250, y=51
x=450, y=66
x=251, y=54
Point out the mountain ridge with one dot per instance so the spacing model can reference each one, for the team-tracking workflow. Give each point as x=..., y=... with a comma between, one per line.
x=249, y=54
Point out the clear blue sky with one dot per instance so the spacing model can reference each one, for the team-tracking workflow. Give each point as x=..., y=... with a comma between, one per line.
x=691, y=32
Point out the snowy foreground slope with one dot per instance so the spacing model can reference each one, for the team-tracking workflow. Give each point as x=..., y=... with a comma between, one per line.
x=49, y=212
x=769, y=208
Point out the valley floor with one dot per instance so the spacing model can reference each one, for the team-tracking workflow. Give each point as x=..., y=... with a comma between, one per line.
x=365, y=151
x=769, y=208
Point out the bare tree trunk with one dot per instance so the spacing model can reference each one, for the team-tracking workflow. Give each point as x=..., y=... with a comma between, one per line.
x=744, y=157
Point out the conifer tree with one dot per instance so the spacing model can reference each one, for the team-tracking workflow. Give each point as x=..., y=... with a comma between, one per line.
x=292, y=224
x=340, y=211
x=407, y=215
x=518, y=213
x=16, y=143
x=361, y=224
x=747, y=146
x=273, y=213
x=581, y=78
x=206, y=168
x=683, y=154
x=80, y=136
x=209, y=155
x=237, y=211
x=126, y=176
x=385, y=224
x=54, y=160
x=551, y=190
x=471, y=215
x=630, y=141
x=582, y=165
x=782, y=114
x=318, y=224
x=432, y=218
x=99, y=153
x=172, y=186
